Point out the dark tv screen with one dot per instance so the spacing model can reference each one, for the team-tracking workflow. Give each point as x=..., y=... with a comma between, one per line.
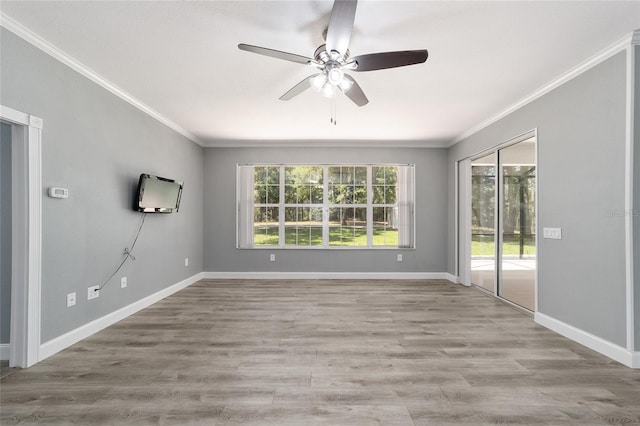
x=157, y=194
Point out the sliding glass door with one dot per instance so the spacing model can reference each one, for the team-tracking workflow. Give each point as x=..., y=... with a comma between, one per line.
x=517, y=214
x=503, y=222
x=483, y=222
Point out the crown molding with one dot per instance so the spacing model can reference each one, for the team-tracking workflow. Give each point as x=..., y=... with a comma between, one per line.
x=37, y=41
x=620, y=45
x=321, y=143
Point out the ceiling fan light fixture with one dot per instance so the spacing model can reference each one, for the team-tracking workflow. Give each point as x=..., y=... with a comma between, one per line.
x=345, y=85
x=328, y=90
x=318, y=81
x=335, y=76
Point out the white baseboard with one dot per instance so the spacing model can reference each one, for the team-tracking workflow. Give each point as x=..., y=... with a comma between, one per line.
x=329, y=275
x=598, y=344
x=59, y=343
x=454, y=279
x=5, y=351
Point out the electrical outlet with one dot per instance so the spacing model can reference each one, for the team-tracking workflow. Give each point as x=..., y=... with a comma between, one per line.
x=93, y=292
x=71, y=299
x=399, y=258
x=123, y=282
x=186, y=261
x=272, y=257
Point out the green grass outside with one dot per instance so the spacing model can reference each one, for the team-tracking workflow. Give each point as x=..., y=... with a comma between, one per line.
x=312, y=236
x=483, y=245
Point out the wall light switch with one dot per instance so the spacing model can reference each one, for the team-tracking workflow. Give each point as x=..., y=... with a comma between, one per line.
x=552, y=233
x=71, y=299
x=123, y=282
x=58, y=192
x=186, y=261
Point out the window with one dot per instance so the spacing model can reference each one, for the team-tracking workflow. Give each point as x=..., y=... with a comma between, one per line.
x=325, y=206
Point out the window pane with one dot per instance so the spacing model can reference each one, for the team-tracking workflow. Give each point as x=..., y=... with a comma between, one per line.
x=385, y=231
x=378, y=194
x=303, y=194
x=303, y=226
x=360, y=195
x=260, y=175
x=348, y=226
x=290, y=194
x=317, y=194
x=273, y=194
x=273, y=175
x=360, y=175
x=265, y=230
x=334, y=175
x=260, y=194
x=390, y=195
x=390, y=175
x=338, y=194
x=348, y=175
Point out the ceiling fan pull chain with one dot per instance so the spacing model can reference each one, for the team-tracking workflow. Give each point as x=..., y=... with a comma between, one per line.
x=334, y=112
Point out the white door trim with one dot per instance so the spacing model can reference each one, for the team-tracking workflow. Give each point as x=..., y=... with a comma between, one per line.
x=26, y=246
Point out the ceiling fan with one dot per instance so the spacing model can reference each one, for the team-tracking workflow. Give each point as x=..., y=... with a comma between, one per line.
x=332, y=58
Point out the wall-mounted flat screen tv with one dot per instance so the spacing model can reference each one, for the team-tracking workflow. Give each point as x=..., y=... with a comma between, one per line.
x=157, y=194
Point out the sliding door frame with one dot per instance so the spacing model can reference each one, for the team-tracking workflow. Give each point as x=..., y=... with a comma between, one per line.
x=464, y=212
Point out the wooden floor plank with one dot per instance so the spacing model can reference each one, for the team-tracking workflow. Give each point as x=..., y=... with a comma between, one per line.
x=323, y=352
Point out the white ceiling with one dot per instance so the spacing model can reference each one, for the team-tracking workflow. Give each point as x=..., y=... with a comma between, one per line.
x=180, y=58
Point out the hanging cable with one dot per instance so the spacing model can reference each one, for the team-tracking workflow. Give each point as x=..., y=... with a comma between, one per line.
x=128, y=254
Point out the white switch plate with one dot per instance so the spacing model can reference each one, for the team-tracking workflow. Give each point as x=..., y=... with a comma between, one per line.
x=71, y=299
x=399, y=258
x=186, y=261
x=58, y=192
x=123, y=282
x=272, y=257
x=93, y=292
x=552, y=233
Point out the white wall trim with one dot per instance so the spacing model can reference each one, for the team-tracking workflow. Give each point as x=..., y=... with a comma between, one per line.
x=26, y=245
x=320, y=143
x=37, y=41
x=596, y=59
x=59, y=343
x=5, y=350
x=611, y=350
x=330, y=275
x=628, y=188
x=452, y=278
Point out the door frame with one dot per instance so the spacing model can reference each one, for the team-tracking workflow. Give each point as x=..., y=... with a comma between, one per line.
x=464, y=212
x=26, y=245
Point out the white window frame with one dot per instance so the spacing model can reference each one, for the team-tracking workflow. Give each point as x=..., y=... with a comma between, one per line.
x=245, y=208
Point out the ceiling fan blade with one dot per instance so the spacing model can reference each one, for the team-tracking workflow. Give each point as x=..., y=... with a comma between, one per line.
x=341, y=26
x=380, y=61
x=275, y=53
x=298, y=88
x=355, y=92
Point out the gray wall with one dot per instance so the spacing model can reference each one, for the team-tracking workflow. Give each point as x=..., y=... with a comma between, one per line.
x=636, y=201
x=581, y=148
x=5, y=232
x=220, y=250
x=96, y=145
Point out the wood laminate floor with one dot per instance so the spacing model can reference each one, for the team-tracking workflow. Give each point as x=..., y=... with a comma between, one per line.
x=229, y=352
